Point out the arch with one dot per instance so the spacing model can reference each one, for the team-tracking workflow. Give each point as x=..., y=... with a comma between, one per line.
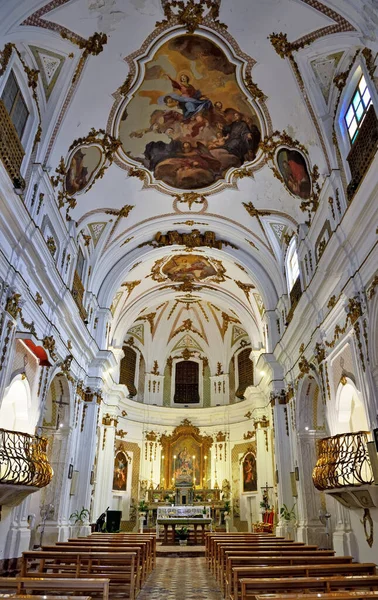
x=310, y=413
x=350, y=408
x=16, y=406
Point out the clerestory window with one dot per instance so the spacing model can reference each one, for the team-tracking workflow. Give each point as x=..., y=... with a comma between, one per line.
x=357, y=109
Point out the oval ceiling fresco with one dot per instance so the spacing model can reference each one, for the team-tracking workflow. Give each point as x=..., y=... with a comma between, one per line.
x=189, y=122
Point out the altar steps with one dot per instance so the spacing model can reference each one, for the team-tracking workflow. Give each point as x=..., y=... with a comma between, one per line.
x=180, y=551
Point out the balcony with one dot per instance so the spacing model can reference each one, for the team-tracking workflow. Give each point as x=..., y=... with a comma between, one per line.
x=363, y=151
x=11, y=150
x=24, y=466
x=344, y=469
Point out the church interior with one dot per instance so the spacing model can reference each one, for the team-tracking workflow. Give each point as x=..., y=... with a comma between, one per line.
x=189, y=299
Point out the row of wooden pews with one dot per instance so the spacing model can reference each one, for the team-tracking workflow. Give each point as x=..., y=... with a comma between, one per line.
x=251, y=566
x=98, y=564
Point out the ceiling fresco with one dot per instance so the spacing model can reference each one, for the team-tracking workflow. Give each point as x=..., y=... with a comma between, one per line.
x=189, y=122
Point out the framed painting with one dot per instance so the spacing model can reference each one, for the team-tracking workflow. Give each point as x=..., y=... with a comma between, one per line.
x=120, y=472
x=249, y=473
x=293, y=168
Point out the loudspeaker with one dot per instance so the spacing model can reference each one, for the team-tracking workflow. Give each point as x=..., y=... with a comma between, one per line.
x=113, y=521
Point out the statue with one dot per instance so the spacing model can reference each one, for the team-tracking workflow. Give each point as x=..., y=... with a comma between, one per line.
x=226, y=489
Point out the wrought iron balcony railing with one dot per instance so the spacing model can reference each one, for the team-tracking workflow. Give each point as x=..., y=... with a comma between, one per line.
x=23, y=460
x=343, y=460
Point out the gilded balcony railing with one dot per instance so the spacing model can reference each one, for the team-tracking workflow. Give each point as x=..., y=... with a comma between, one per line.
x=11, y=150
x=23, y=459
x=343, y=460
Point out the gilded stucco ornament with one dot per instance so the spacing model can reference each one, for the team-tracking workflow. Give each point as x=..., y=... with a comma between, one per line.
x=94, y=45
x=49, y=344
x=190, y=13
x=12, y=305
x=192, y=239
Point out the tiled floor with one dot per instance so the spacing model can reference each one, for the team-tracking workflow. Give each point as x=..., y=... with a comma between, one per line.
x=180, y=578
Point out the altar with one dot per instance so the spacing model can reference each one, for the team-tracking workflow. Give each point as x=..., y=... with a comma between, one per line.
x=170, y=516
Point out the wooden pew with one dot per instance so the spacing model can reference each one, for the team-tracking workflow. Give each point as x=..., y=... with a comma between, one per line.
x=256, y=543
x=359, y=595
x=237, y=567
x=145, y=545
x=149, y=538
x=256, y=546
x=219, y=561
x=140, y=563
x=119, y=568
x=318, y=570
x=212, y=538
x=250, y=588
x=38, y=584
x=226, y=553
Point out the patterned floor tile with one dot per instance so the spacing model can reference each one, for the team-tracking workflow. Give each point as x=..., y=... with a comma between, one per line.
x=180, y=578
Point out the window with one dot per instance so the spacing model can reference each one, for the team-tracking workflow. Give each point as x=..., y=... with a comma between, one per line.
x=127, y=370
x=15, y=104
x=245, y=372
x=292, y=264
x=186, y=383
x=357, y=109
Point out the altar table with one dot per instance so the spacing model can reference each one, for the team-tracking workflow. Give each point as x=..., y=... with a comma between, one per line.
x=184, y=521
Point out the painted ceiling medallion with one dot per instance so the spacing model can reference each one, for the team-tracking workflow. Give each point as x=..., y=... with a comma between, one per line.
x=188, y=268
x=189, y=124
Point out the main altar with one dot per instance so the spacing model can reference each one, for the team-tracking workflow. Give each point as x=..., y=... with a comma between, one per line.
x=170, y=516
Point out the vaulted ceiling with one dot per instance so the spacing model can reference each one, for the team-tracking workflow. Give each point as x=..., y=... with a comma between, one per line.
x=162, y=162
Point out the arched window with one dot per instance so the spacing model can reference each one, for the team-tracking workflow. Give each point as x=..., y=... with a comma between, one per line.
x=292, y=264
x=15, y=407
x=186, y=382
x=245, y=372
x=127, y=370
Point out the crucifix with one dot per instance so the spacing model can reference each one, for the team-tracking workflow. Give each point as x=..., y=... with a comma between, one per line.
x=60, y=405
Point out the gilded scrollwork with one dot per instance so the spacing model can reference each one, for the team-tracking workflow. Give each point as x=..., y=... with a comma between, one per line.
x=94, y=45
x=190, y=14
x=192, y=239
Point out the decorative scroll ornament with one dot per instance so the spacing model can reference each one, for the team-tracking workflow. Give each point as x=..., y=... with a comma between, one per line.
x=88, y=159
x=192, y=239
x=12, y=305
x=93, y=45
x=49, y=344
x=190, y=13
x=283, y=47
